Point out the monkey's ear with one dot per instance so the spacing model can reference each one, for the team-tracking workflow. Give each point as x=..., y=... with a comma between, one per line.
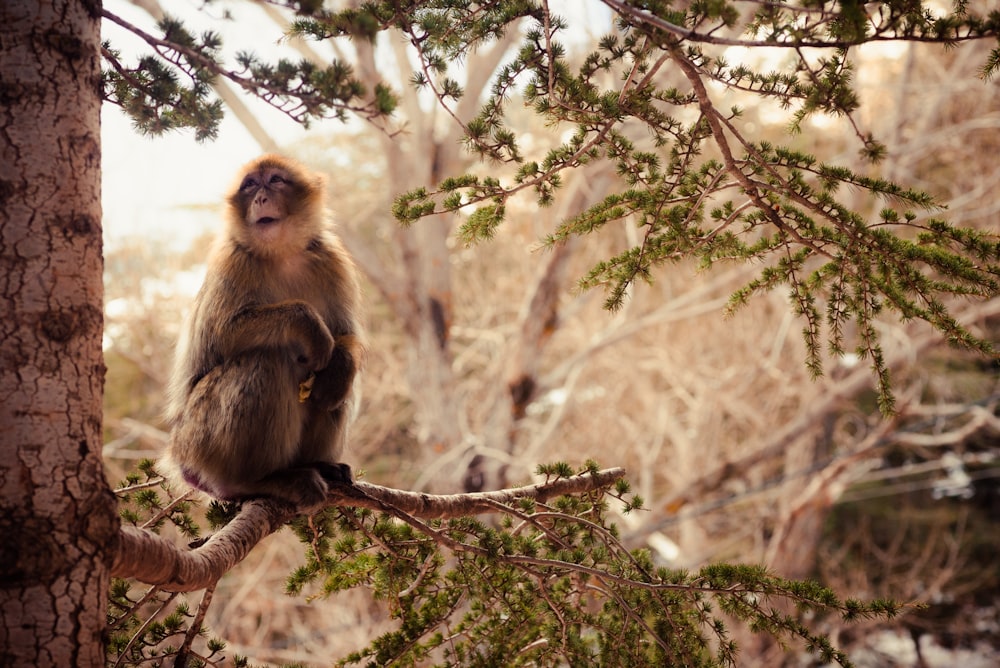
x=318, y=182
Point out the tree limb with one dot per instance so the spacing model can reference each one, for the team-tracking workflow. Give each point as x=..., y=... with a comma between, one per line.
x=150, y=558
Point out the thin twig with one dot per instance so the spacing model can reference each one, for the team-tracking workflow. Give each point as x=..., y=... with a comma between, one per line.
x=155, y=519
x=150, y=593
x=194, y=629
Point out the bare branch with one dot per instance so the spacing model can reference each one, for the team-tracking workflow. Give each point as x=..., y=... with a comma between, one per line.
x=195, y=628
x=980, y=418
x=152, y=559
x=446, y=506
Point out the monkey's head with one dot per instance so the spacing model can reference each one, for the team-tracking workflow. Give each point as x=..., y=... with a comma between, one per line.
x=276, y=207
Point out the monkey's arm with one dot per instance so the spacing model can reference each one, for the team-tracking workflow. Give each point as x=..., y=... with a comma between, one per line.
x=293, y=325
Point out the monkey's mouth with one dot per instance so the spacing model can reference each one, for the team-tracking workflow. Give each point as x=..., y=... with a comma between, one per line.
x=266, y=220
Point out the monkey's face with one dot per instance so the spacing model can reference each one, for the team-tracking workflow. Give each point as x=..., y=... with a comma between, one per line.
x=265, y=196
x=273, y=206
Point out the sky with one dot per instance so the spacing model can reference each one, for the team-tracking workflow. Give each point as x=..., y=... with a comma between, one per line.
x=168, y=190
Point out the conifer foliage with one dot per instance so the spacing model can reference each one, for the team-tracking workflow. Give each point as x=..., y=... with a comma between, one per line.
x=552, y=585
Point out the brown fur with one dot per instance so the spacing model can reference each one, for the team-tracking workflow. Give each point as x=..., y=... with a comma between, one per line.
x=279, y=308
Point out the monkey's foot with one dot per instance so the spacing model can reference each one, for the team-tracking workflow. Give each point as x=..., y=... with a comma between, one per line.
x=336, y=473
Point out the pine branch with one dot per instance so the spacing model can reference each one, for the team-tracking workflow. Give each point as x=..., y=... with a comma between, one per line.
x=150, y=94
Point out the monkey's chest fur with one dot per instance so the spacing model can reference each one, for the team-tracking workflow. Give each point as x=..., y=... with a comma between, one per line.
x=307, y=277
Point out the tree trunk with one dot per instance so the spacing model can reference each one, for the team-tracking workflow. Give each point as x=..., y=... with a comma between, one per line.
x=58, y=518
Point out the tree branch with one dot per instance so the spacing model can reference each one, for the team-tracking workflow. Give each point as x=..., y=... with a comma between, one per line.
x=152, y=559
x=882, y=33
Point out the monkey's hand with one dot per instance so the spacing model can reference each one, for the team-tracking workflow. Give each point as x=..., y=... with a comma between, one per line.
x=333, y=383
x=305, y=388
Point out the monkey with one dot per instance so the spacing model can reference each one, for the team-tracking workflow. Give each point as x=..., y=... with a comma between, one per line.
x=265, y=372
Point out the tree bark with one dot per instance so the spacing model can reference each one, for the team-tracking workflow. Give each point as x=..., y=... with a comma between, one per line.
x=57, y=514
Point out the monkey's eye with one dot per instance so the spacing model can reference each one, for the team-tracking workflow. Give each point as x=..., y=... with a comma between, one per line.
x=248, y=184
x=275, y=178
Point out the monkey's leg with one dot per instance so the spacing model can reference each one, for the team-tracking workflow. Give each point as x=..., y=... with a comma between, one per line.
x=280, y=418
x=241, y=423
x=324, y=436
x=331, y=402
x=289, y=325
